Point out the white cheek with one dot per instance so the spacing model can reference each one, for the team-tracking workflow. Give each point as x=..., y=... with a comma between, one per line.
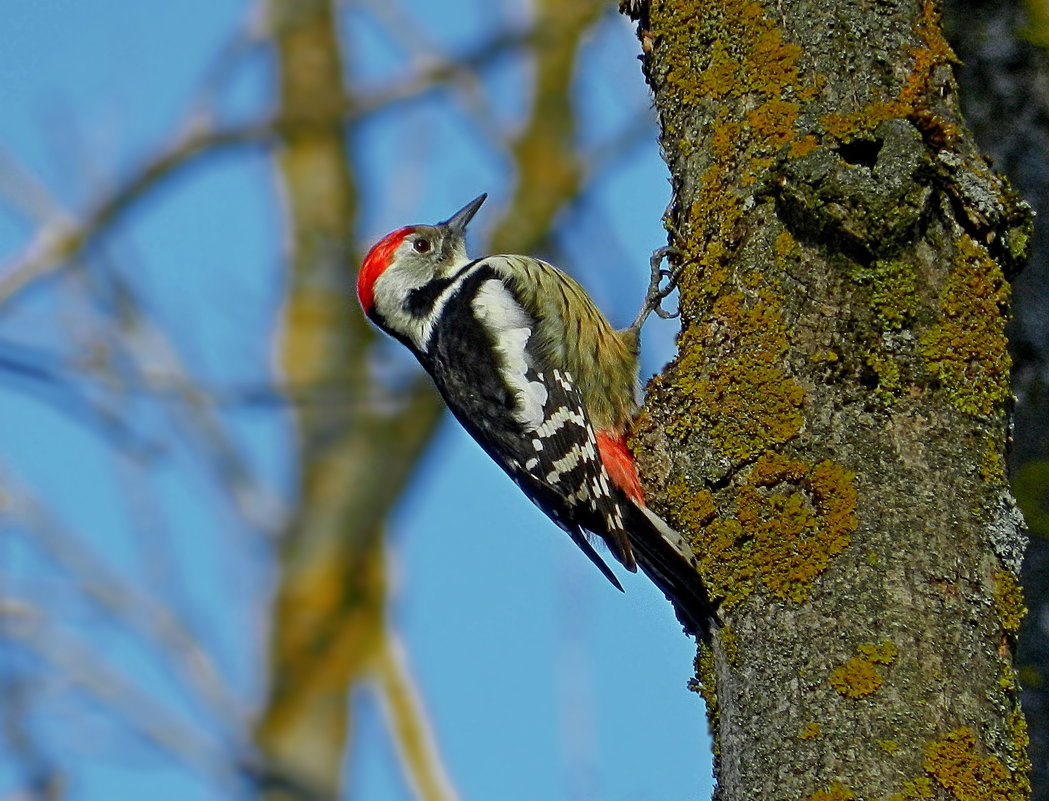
x=390, y=290
x=394, y=285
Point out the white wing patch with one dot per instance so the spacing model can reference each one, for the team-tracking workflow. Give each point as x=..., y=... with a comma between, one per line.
x=563, y=465
x=563, y=415
x=510, y=326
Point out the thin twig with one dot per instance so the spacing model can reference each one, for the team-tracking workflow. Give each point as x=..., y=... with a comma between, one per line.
x=138, y=709
x=134, y=609
x=60, y=240
x=41, y=366
x=410, y=727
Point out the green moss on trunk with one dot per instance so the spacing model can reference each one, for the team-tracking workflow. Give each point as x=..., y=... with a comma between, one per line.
x=830, y=434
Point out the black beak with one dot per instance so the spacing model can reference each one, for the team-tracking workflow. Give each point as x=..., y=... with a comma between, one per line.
x=457, y=222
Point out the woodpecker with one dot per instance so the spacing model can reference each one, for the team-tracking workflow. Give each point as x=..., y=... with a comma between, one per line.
x=539, y=378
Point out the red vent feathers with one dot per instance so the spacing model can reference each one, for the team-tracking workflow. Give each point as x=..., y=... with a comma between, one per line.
x=619, y=464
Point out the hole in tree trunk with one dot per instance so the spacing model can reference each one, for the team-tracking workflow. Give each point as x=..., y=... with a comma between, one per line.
x=861, y=152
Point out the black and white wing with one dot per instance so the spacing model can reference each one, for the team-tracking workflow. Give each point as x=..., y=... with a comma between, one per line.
x=528, y=416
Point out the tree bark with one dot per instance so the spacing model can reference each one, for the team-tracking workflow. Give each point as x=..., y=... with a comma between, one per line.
x=832, y=431
x=1004, y=81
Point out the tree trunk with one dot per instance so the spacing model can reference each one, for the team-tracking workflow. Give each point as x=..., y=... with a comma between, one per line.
x=1004, y=83
x=832, y=432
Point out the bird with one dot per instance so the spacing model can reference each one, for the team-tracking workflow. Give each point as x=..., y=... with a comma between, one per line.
x=535, y=373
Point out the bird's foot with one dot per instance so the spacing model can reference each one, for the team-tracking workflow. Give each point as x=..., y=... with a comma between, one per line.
x=657, y=289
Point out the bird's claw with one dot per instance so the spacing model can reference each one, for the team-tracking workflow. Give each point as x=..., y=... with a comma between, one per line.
x=657, y=291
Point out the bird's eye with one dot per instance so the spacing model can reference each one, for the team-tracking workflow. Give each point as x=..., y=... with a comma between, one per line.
x=422, y=245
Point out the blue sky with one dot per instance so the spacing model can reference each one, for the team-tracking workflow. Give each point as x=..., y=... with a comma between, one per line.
x=542, y=681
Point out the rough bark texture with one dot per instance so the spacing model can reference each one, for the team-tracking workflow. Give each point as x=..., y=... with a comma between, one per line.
x=1004, y=80
x=832, y=432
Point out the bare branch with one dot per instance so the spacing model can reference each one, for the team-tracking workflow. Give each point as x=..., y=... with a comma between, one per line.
x=135, y=610
x=128, y=702
x=61, y=240
x=38, y=365
x=32, y=372
x=409, y=724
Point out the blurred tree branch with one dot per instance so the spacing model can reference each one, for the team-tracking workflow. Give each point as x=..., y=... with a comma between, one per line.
x=63, y=236
x=544, y=154
x=131, y=608
x=331, y=590
x=357, y=448
x=82, y=666
x=408, y=722
x=328, y=629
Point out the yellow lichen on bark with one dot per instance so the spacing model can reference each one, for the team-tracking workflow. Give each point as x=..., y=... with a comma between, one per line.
x=788, y=521
x=747, y=58
x=859, y=676
x=912, y=101
x=836, y=792
x=967, y=775
x=967, y=349
x=1008, y=600
x=920, y=788
x=810, y=731
x=747, y=402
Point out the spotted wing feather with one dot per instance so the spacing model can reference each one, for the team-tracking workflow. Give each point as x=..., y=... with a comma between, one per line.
x=529, y=417
x=566, y=458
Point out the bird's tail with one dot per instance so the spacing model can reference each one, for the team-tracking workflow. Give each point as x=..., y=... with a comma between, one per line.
x=667, y=559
